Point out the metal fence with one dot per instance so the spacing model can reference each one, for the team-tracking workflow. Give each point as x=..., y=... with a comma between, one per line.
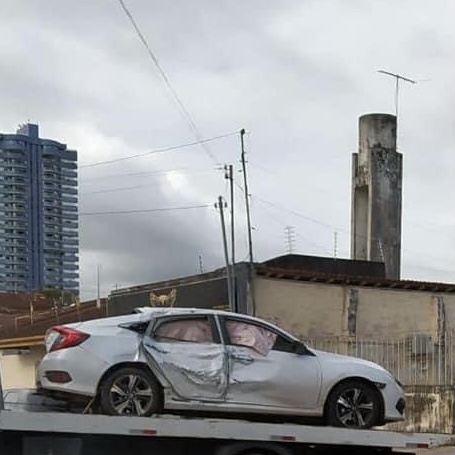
x=415, y=359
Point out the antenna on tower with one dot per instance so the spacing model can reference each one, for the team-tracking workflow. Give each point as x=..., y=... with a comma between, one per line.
x=398, y=78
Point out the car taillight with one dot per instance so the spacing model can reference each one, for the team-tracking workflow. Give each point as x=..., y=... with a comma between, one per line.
x=61, y=337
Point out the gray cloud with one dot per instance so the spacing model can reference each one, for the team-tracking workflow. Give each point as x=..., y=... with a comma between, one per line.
x=295, y=75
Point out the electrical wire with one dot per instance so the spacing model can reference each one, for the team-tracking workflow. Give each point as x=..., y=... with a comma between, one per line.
x=167, y=81
x=128, y=188
x=159, y=150
x=135, y=174
x=163, y=209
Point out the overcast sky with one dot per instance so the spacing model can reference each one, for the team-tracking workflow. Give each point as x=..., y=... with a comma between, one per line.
x=295, y=74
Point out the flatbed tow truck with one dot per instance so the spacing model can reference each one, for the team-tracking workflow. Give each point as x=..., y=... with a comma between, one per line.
x=42, y=433
x=56, y=433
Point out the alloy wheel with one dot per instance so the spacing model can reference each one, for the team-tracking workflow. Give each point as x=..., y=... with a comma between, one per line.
x=131, y=395
x=355, y=408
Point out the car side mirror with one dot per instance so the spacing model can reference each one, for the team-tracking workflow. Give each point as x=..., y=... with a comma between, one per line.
x=300, y=348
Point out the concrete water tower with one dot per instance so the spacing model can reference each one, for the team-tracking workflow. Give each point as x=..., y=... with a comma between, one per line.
x=377, y=174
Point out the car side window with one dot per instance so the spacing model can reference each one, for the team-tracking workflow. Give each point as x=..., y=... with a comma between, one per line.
x=191, y=330
x=253, y=336
x=256, y=337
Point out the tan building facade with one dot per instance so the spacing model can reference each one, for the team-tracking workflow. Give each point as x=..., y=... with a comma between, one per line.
x=18, y=366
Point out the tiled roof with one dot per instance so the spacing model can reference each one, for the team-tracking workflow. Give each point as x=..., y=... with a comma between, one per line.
x=19, y=320
x=306, y=275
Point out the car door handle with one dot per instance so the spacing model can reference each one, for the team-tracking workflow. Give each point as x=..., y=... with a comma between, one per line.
x=242, y=358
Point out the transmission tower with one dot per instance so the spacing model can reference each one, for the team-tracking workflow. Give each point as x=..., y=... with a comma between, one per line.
x=289, y=232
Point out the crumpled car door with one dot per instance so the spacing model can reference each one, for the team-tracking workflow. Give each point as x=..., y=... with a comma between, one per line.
x=185, y=352
x=261, y=375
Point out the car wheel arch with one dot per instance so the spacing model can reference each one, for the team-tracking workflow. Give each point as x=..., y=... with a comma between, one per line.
x=360, y=379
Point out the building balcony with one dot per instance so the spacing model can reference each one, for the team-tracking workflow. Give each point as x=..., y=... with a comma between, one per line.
x=13, y=235
x=52, y=211
x=69, y=199
x=68, y=173
x=7, y=175
x=68, y=233
x=69, y=190
x=68, y=275
x=70, y=224
x=7, y=242
x=69, y=216
x=14, y=220
x=69, y=208
x=14, y=180
x=10, y=189
x=51, y=204
x=10, y=146
x=70, y=267
x=17, y=164
x=16, y=199
x=65, y=164
x=69, y=242
x=70, y=258
x=70, y=250
x=13, y=278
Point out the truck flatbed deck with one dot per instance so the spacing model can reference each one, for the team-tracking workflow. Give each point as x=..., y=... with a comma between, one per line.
x=217, y=436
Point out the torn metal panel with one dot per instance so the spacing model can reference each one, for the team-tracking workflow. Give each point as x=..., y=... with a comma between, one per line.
x=193, y=371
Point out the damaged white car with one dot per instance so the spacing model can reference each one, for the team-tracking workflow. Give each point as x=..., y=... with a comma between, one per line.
x=207, y=360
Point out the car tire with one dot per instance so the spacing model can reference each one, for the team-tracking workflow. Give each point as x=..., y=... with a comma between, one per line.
x=130, y=391
x=354, y=404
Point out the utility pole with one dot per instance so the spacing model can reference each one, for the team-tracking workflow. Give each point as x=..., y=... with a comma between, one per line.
x=247, y=195
x=229, y=175
x=335, y=244
x=220, y=206
x=98, y=300
x=248, y=219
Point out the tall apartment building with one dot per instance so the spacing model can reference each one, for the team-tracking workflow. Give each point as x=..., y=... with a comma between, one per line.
x=39, y=243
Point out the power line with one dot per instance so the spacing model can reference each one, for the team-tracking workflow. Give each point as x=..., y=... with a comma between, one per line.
x=125, y=188
x=167, y=81
x=159, y=150
x=163, y=209
x=135, y=174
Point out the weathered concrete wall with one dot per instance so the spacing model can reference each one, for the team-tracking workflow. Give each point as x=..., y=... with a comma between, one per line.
x=305, y=309
x=18, y=370
x=313, y=310
x=387, y=312
x=377, y=194
x=430, y=409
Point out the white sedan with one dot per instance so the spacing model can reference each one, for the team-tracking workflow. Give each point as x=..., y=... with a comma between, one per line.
x=159, y=359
